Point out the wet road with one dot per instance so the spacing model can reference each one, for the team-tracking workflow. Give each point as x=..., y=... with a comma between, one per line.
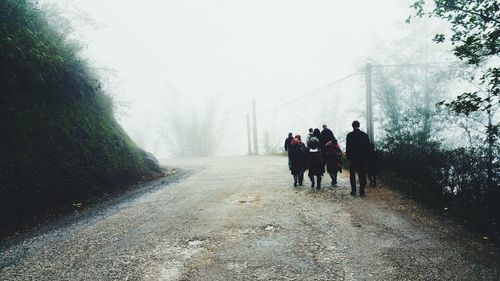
x=239, y=218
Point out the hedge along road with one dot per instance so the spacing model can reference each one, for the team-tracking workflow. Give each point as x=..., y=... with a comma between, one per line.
x=239, y=218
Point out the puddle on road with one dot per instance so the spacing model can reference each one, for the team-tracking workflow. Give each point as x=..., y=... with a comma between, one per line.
x=271, y=227
x=249, y=199
x=196, y=241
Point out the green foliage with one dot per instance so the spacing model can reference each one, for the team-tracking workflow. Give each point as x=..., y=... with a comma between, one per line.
x=475, y=32
x=60, y=141
x=475, y=28
x=413, y=156
x=406, y=96
x=455, y=180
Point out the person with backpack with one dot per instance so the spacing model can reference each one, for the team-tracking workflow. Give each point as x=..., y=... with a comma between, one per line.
x=315, y=163
x=297, y=153
x=333, y=158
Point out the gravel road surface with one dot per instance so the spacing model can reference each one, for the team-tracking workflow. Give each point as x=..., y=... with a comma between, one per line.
x=240, y=218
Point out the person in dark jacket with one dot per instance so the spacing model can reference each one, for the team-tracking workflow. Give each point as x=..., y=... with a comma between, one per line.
x=315, y=163
x=288, y=140
x=317, y=135
x=372, y=169
x=333, y=158
x=325, y=136
x=297, y=152
x=357, y=148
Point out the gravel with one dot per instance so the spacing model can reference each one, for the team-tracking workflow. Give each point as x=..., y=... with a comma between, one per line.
x=240, y=218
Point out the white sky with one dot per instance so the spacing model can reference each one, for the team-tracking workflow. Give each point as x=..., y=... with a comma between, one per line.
x=236, y=50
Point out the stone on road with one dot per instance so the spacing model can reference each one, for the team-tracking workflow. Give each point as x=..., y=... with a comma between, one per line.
x=240, y=218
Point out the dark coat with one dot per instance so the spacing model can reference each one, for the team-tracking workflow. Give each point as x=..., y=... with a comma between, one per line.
x=313, y=143
x=333, y=157
x=326, y=136
x=298, y=158
x=315, y=163
x=287, y=142
x=358, y=147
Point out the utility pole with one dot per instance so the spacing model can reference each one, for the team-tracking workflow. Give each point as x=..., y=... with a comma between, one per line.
x=369, y=103
x=255, y=138
x=249, y=134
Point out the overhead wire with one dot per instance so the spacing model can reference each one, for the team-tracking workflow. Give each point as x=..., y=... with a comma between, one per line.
x=310, y=92
x=295, y=98
x=317, y=90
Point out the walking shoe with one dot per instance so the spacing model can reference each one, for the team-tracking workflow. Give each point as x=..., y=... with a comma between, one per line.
x=353, y=193
x=362, y=194
x=295, y=184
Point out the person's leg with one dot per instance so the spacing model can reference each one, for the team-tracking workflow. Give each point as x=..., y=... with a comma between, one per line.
x=352, y=177
x=311, y=177
x=295, y=177
x=319, y=183
x=362, y=179
x=332, y=176
x=374, y=180
x=335, y=177
x=301, y=177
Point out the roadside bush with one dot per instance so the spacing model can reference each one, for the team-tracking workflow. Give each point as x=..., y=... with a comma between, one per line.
x=453, y=180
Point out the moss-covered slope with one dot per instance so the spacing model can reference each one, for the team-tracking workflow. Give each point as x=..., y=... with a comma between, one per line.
x=59, y=140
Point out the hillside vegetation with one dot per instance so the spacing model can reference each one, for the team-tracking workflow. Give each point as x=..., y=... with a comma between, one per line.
x=60, y=142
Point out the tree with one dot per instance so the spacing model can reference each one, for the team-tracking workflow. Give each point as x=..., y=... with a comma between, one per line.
x=192, y=128
x=408, y=82
x=475, y=31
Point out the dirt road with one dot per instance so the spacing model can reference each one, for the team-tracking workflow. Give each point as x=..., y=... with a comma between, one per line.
x=239, y=218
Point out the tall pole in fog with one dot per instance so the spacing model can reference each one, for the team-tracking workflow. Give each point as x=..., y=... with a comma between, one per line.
x=249, y=134
x=369, y=103
x=255, y=138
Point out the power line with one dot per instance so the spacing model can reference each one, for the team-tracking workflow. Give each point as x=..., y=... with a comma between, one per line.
x=306, y=93
x=315, y=91
x=414, y=65
x=310, y=92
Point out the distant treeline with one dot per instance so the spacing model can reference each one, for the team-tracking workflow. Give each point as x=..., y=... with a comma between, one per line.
x=60, y=142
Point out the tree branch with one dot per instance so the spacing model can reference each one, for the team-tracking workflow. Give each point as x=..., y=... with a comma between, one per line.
x=484, y=17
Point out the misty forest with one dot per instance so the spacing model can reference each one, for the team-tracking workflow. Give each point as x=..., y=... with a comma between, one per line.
x=147, y=140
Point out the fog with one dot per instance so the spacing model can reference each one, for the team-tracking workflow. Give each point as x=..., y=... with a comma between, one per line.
x=172, y=64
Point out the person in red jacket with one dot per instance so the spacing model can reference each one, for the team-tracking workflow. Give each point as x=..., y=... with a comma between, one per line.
x=297, y=152
x=333, y=158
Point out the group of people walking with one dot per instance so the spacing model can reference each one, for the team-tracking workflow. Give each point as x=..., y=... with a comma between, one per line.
x=322, y=149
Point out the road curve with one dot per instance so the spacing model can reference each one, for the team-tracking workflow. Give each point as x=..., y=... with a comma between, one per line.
x=239, y=218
